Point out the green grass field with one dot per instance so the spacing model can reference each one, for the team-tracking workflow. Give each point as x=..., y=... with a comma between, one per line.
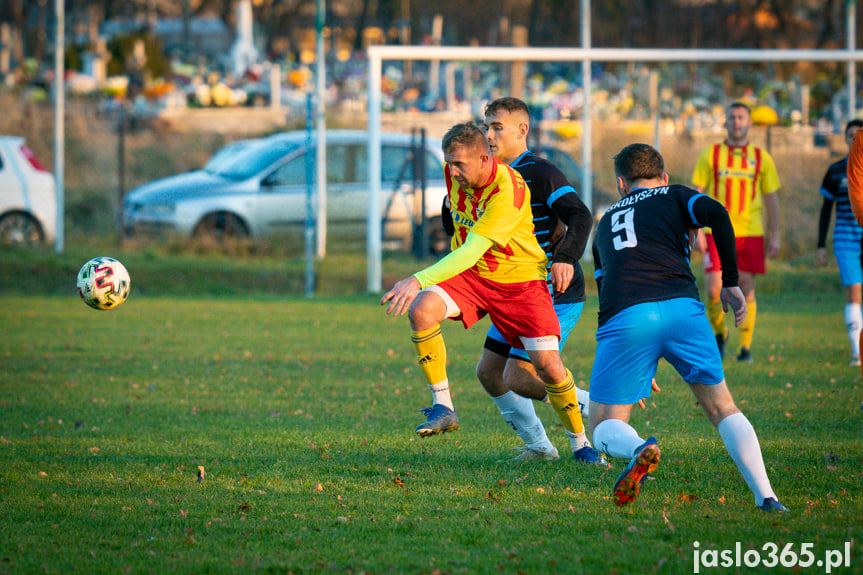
x=301, y=414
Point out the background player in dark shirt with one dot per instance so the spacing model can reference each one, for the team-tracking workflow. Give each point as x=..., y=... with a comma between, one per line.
x=847, y=236
x=649, y=309
x=562, y=224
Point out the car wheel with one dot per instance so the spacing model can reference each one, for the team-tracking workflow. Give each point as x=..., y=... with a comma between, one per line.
x=221, y=227
x=19, y=228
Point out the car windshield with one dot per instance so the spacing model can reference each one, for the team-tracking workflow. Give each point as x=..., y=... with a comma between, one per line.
x=253, y=160
x=226, y=154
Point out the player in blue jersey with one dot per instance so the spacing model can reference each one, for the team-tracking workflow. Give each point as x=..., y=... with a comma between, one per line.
x=649, y=308
x=562, y=224
x=847, y=236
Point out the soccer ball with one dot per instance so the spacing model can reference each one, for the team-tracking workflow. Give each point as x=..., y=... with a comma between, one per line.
x=103, y=283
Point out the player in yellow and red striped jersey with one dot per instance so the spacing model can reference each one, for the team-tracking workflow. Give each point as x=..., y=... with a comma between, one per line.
x=743, y=178
x=496, y=268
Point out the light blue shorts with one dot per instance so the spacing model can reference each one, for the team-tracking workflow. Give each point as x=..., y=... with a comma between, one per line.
x=849, y=266
x=630, y=344
x=567, y=315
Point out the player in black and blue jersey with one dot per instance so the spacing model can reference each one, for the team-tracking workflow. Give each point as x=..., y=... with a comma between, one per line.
x=562, y=224
x=847, y=236
x=649, y=308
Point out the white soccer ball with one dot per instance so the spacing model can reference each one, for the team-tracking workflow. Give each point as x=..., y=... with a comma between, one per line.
x=103, y=283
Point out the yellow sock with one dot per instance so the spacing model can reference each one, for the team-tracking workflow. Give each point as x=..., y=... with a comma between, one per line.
x=565, y=402
x=431, y=353
x=716, y=317
x=747, y=328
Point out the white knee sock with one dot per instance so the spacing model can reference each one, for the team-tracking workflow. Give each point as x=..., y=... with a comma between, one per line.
x=440, y=393
x=742, y=445
x=616, y=438
x=854, y=323
x=520, y=414
x=583, y=401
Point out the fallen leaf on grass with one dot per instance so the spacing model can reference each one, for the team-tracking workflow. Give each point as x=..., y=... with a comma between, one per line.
x=318, y=487
x=398, y=481
x=492, y=497
x=687, y=497
x=201, y=473
x=670, y=525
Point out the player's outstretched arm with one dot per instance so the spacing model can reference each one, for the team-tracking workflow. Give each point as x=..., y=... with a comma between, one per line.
x=710, y=213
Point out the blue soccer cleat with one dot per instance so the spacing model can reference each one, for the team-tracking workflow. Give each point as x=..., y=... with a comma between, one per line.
x=772, y=504
x=642, y=464
x=440, y=419
x=590, y=456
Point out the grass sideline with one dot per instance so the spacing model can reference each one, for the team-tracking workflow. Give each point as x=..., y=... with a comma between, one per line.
x=303, y=424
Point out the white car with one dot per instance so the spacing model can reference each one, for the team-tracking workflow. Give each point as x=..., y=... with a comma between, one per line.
x=28, y=200
x=260, y=190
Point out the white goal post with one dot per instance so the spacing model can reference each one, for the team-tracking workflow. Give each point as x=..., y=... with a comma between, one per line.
x=377, y=54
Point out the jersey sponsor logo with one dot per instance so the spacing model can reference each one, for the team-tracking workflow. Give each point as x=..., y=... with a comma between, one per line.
x=463, y=220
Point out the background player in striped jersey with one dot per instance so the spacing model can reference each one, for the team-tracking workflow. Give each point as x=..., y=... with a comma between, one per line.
x=497, y=268
x=649, y=309
x=743, y=178
x=847, y=235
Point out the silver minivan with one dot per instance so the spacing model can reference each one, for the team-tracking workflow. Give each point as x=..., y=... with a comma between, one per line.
x=260, y=188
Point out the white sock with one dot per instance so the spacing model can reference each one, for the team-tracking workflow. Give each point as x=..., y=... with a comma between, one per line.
x=577, y=440
x=616, y=438
x=742, y=445
x=440, y=393
x=854, y=322
x=583, y=401
x=520, y=414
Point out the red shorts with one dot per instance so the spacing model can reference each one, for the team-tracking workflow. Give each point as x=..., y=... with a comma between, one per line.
x=517, y=310
x=750, y=255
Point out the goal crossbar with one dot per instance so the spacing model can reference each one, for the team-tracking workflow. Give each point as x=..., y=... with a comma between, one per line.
x=377, y=54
